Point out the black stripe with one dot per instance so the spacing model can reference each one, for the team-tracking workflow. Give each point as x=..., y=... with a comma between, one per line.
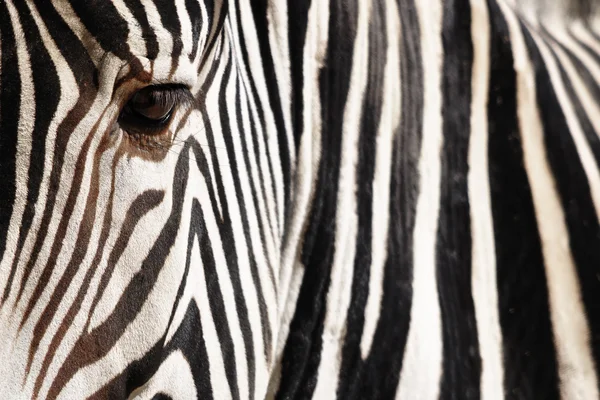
x=384, y=363
x=227, y=234
x=86, y=76
x=143, y=204
x=139, y=372
x=97, y=343
x=267, y=338
x=530, y=367
x=589, y=51
x=189, y=338
x=302, y=353
x=193, y=10
x=10, y=105
x=461, y=361
x=256, y=133
x=297, y=26
x=216, y=23
x=351, y=367
x=47, y=95
x=584, y=73
x=190, y=329
x=139, y=13
x=227, y=238
x=217, y=309
x=574, y=191
x=161, y=396
x=170, y=21
x=593, y=89
x=107, y=26
x=259, y=11
x=202, y=165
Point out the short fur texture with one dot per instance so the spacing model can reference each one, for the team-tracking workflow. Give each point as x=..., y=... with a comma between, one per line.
x=351, y=199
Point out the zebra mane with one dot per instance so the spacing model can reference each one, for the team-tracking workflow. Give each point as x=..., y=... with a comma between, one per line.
x=581, y=8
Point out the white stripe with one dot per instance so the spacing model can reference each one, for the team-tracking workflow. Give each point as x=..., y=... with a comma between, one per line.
x=219, y=248
x=216, y=367
x=68, y=98
x=162, y=66
x=568, y=40
x=346, y=224
x=389, y=122
x=277, y=14
x=87, y=40
x=174, y=378
x=291, y=270
x=218, y=378
x=65, y=103
x=483, y=281
x=265, y=139
x=571, y=332
x=267, y=258
x=135, y=37
x=12, y=368
x=141, y=334
x=84, y=131
x=185, y=22
x=25, y=128
x=247, y=27
x=203, y=36
x=592, y=110
x=242, y=245
x=583, y=33
x=422, y=366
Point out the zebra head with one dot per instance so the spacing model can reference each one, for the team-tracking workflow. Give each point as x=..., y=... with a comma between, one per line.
x=142, y=198
x=246, y=199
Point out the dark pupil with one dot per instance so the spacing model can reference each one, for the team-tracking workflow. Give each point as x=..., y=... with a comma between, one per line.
x=151, y=103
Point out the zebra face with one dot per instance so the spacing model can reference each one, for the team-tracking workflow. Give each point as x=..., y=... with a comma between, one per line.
x=124, y=126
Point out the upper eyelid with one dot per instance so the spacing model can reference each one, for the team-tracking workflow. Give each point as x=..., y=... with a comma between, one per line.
x=180, y=92
x=182, y=95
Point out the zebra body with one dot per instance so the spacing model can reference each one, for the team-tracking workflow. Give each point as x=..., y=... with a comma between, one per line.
x=306, y=199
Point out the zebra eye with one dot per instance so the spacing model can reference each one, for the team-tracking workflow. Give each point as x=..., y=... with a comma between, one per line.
x=150, y=109
x=152, y=103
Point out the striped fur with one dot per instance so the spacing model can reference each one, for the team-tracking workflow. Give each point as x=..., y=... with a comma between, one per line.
x=365, y=200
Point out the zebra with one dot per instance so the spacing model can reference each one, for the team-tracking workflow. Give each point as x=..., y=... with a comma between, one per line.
x=351, y=199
